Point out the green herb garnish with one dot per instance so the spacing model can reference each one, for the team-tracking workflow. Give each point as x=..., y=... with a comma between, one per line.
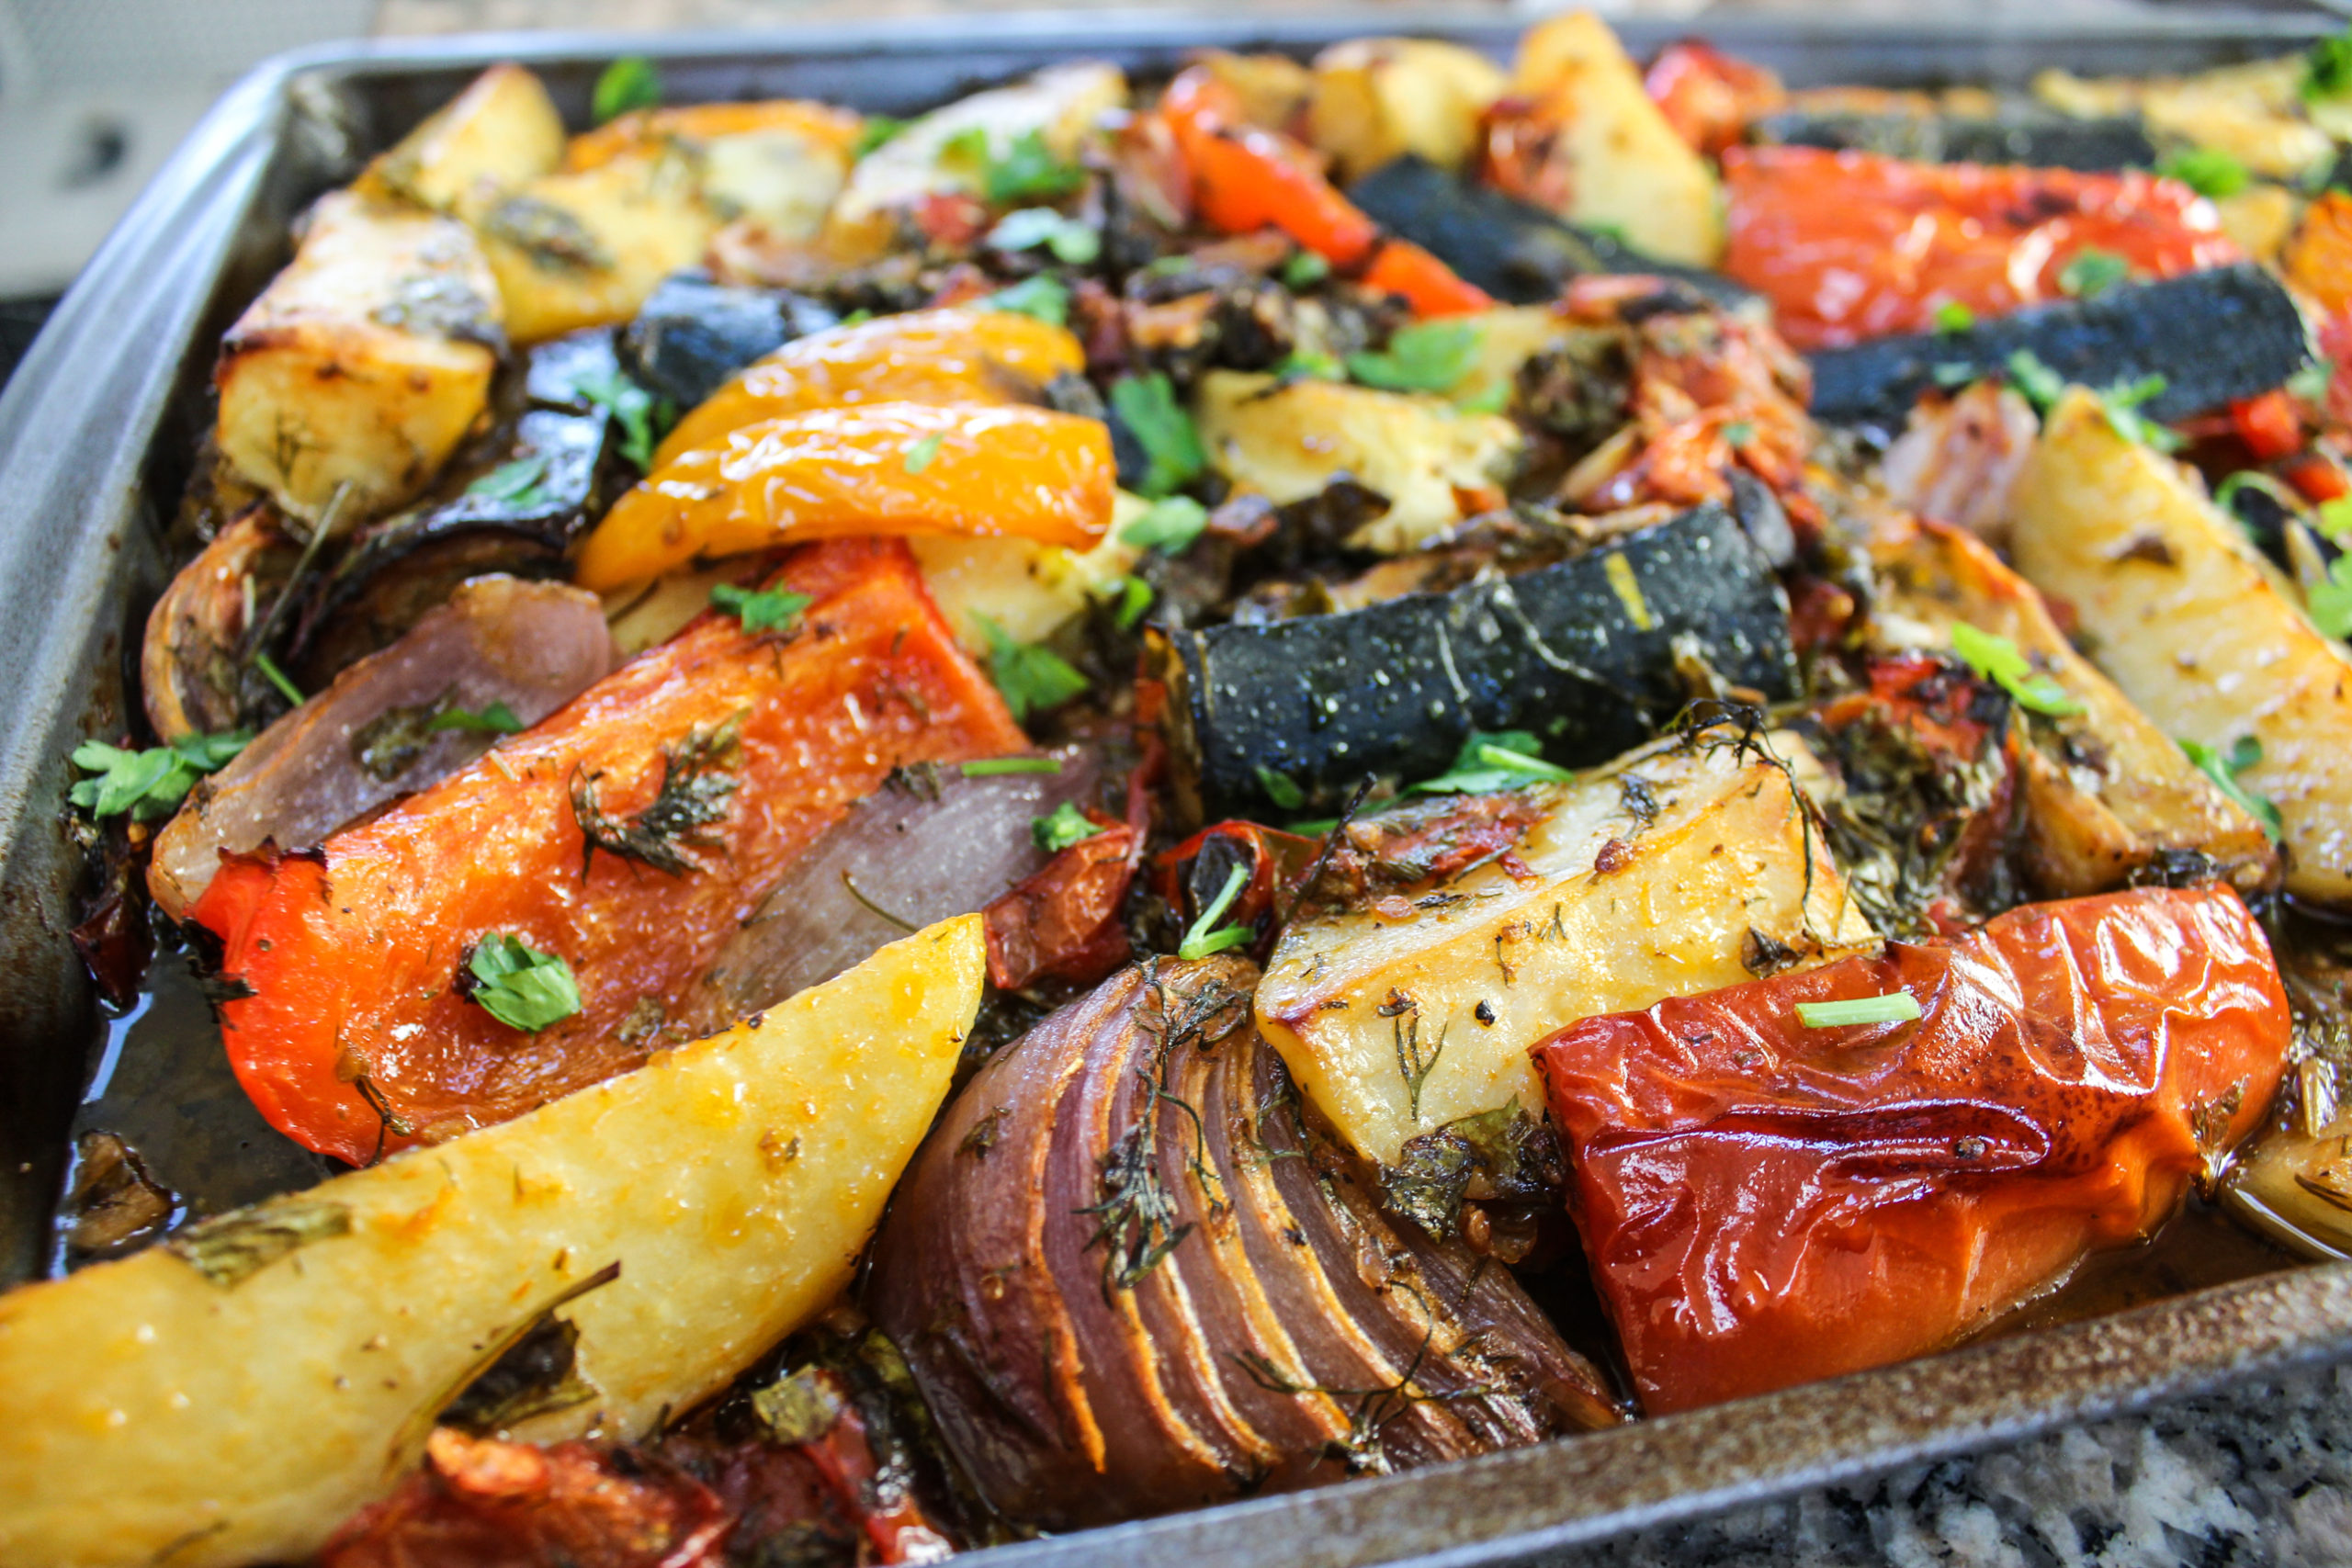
x=2208, y=171
x=516, y=983
x=1044, y=297
x=2330, y=602
x=1279, y=789
x=920, y=454
x=1067, y=826
x=1494, y=399
x=1490, y=763
x=628, y=83
x=1129, y=597
x=641, y=417
x=1205, y=938
x=1895, y=1007
x=878, y=131
x=277, y=677
x=1427, y=356
x=2224, y=769
x=2039, y=385
x=1171, y=526
x=1999, y=660
x=495, y=719
x=1028, y=170
x=1071, y=241
x=2092, y=273
x=2120, y=403
x=1952, y=316
x=998, y=767
x=1739, y=433
x=2334, y=517
x=1305, y=270
x=2310, y=382
x=2226, y=494
x=516, y=481
x=767, y=610
x=1147, y=405
x=2327, y=68
x=149, y=784
x=1031, y=677
x=1306, y=365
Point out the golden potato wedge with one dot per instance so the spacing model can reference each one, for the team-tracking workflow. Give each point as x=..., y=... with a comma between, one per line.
x=1687, y=901
x=2193, y=625
x=1061, y=103
x=584, y=248
x=1379, y=99
x=231, y=1396
x=501, y=132
x=1028, y=588
x=2105, y=792
x=777, y=164
x=1510, y=335
x=1426, y=455
x=2254, y=111
x=1624, y=168
x=2258, y=220
x=363, y=363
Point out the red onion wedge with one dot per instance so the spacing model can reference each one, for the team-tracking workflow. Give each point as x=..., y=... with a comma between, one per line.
x=1129, y=1277
x=930, y=844
x=393, y=722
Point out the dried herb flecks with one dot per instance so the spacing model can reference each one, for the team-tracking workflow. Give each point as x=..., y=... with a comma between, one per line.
x=228, y=1249
x=697, y=783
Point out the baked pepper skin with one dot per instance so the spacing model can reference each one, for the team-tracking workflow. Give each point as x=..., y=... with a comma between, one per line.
x=1853, y=245
x=350, y=954
x=1764, y=1203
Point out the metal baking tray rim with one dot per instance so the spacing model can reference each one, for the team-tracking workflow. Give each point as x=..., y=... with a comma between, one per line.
x=78, y=421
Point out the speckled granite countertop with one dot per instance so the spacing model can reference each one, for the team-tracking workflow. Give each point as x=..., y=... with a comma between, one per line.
x=2259, y=1476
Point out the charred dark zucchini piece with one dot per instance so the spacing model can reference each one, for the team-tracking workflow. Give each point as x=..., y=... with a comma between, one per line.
x=693, y=333
x=1514, y=251
x=518, y=515
x=2216, y=335
x=2016, y=136
x=1593, y=655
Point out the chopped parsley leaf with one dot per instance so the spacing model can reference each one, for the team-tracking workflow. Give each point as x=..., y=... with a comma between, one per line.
x=1067, y=826
x=641, y=417
x=766, y=610
x=1952, y=316
x=518, y=481
x=1999, y=660
x=2208, y=171
x=2224, y=769
x=877, y=130
x=1044, y=298
x=1305, y=270
x=1205, y=938
x=1031, y=677
x=1147, y=405
x=1427, y=356
x=1170, y=525
x=1071, y=241
x=149, y=784
x=2092, y=273
x=495, y=719
x=1280, y=789
x=2330, y=602
x=516, y=983
x=1489, y=763
x=920, y=454
x=628, y=83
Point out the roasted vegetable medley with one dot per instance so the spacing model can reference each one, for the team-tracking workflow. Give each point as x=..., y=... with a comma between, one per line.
x=1148, y=791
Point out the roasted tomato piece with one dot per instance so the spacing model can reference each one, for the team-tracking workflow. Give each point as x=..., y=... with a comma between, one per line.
x=1708, y=97
x=705, y=767
x=1852, y=245
x=977, y=357
x=480, y=1503
x=1062, y=923
x=1764, y=1203
x=879, y=468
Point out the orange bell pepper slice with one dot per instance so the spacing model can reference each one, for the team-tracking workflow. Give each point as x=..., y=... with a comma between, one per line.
x=1245, y=178
x=1426, y=284
x=922, y=356
x=882, y=469
x=349, y=956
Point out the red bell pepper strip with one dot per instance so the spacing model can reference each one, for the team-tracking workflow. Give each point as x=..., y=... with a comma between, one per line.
x=2267, y=424
x=353, y=1035
x=1852, y=245
x=1708, y=97
x=1425, y=283
x=1764, y=1203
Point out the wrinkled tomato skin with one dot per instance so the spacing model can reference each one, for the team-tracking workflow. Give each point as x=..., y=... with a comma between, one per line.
x=1764, y=1204
x=1853, y=245
x=350, y=954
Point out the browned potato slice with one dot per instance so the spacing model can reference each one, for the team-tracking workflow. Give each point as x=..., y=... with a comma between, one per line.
x=233, y=1397
x=501, y=132
x=363, y=363
x=1379, y=99
x=584, y=248
x=1626, y=168
x=2193, y=625
x=2105, y=791
x=1424, y=454
x=1685, y=903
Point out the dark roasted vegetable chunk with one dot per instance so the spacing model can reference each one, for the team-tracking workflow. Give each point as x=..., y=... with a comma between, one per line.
x=1592, y=655
x=693, y=333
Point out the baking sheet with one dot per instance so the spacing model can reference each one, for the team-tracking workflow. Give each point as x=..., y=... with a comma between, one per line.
x=95, y=429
